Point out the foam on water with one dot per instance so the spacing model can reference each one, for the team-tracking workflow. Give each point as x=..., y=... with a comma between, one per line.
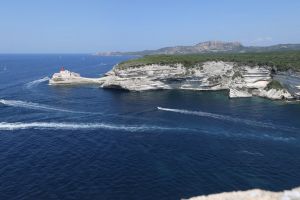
x=34, y=106
x=36, y=82
x=228, y=118
x=77, y=126
x=251, y=153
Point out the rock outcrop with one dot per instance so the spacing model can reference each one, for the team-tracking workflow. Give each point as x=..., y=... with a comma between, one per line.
x=291, y=81
x=240, y=80
x=65, y=77
x=255, y=194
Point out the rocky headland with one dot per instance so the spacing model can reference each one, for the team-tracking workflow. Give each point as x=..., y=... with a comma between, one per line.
x=238, y=74
x=240, y=81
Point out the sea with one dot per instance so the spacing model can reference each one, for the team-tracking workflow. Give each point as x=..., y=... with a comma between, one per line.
x=86, y=142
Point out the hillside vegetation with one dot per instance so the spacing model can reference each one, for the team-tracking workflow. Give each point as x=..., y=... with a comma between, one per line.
x=280, y=61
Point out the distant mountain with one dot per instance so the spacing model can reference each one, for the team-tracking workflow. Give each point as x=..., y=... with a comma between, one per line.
x=277, y=47
x=208, y=47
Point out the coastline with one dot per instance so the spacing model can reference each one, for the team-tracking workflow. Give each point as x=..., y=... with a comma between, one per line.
x=240, y=81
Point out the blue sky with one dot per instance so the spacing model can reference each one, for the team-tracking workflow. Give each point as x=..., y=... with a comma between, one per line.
x=86, y=26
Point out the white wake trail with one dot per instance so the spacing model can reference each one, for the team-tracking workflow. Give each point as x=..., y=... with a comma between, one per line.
x=36, y=82
x=34, y=106
x=77, y=126
x=226, y=118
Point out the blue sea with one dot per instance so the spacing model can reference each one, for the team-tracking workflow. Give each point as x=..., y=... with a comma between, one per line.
x=85, y=142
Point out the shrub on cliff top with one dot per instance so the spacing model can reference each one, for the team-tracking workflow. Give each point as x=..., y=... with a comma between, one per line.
x=282, y=61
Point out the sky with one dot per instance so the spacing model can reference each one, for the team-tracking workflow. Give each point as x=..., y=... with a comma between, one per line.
x=88, y=26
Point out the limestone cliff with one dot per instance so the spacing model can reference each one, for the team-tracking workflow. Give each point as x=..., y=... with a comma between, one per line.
x=239, y=80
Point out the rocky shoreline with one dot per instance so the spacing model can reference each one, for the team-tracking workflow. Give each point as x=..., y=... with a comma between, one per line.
x=239, y=80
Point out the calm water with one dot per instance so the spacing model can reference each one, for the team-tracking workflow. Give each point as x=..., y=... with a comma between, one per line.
x=90, y=143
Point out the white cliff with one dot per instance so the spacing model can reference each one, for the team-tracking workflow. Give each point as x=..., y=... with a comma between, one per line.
x=255, y=194
x=291, y=81
x=235, y=93
x=241, y=81
x=273, y=94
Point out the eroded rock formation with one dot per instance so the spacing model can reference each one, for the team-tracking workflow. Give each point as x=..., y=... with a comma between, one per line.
x=240, y=80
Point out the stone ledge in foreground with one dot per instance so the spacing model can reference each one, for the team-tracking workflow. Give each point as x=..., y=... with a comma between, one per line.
x=255, y=194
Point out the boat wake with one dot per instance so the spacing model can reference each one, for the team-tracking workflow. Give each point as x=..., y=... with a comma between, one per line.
x=228, y=118
x=251, y=153
x=77, y=126
x=5, y=126
x=34, y=106
x=36, y=82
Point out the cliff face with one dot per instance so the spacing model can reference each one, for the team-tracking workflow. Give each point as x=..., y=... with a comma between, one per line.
x=291, y=81
x=241, y=81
